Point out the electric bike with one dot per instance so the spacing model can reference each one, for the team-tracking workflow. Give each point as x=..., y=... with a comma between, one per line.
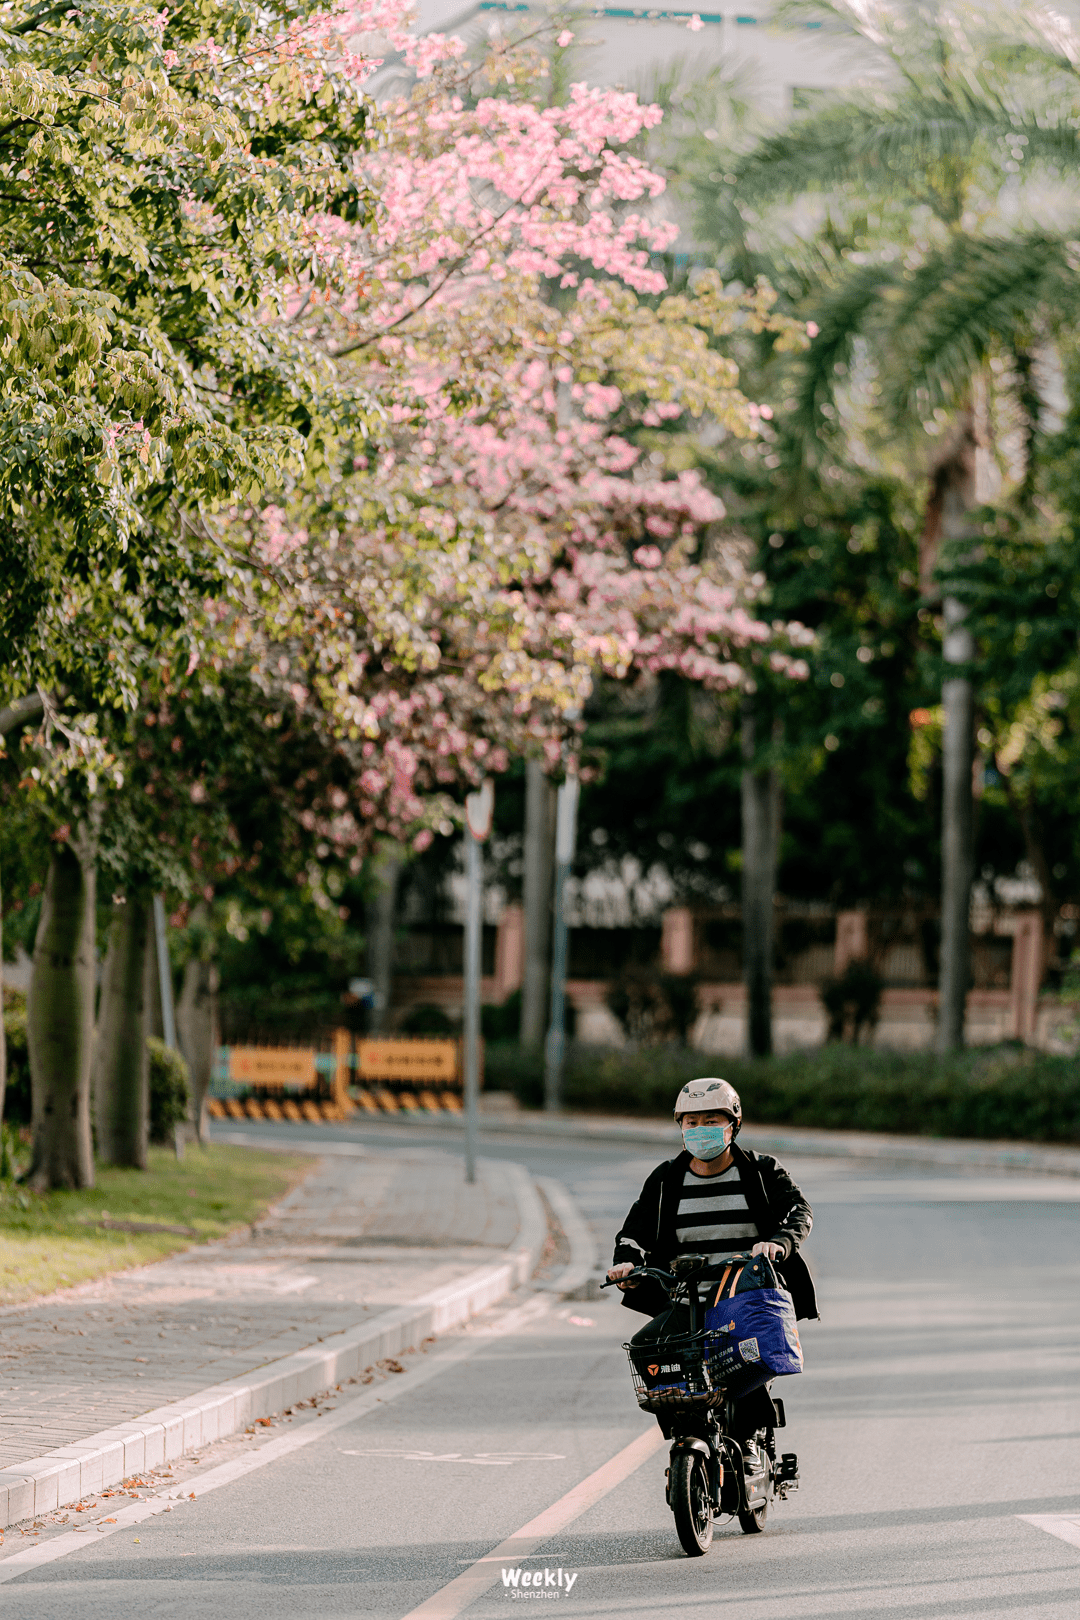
x=676, y=1378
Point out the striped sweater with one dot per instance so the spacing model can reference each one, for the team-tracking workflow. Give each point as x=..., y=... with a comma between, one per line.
x=712, y=1217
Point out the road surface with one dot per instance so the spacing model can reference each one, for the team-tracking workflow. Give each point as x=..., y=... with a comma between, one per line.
x=937, y=1426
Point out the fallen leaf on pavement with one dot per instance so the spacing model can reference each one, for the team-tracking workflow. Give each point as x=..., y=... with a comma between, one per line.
x=108, y=1521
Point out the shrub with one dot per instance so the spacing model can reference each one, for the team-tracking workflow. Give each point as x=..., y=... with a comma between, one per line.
x=853, y=1001
x=169, y=1089
x=510, y=1067
x=984, y=1092
x=654, y=1007
x=426, y=1019
x=503, y=1022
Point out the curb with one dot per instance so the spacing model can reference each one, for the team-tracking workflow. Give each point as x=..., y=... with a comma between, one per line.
x=961, y=1154
x=70, y=1472
x=575, y=1275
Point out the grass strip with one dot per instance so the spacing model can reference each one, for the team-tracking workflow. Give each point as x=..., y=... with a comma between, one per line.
x=57, y=1239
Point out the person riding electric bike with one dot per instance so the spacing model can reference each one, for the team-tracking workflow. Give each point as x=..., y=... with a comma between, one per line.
x=714, y=1199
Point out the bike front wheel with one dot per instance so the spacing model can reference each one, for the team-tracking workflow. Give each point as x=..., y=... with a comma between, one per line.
x=690, y=1502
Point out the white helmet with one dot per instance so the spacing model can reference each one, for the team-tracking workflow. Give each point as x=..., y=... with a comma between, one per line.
x=710, y=1096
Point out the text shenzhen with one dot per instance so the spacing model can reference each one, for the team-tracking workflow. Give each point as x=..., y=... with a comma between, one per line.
x=538, y=1583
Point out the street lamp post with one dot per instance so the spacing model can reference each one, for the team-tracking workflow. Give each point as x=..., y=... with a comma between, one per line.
x=555, y=1045
x=479, y=808
x=168, y=1013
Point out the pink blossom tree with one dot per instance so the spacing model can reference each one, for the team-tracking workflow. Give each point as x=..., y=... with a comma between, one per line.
x=523, y=515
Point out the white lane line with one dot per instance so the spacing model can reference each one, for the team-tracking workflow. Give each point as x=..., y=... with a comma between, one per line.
x=47, y=1552
x=464, y=1589
x=1066, y=1526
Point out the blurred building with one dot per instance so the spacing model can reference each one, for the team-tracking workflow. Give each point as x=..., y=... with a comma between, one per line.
x=636, y=47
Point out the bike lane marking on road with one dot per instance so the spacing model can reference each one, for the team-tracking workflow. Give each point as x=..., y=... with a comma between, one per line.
x=31, y=1558
x=464, y=1589
x=489, y=1459
x=1066, y=1526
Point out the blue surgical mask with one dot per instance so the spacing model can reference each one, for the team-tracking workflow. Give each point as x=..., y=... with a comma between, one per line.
x=706, y=1141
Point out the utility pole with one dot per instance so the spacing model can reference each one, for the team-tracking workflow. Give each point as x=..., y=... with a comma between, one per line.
x=760, y=827
x=479, y=808
x=168, y=1013
x=555, y=1045
x=380, y=955
x=539, y=846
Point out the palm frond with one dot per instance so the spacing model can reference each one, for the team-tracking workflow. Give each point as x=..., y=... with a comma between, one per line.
x=966, y=299
x=885, y=146
x=848, y=311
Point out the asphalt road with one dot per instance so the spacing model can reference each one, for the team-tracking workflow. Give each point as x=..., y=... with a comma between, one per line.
x=939, y=1408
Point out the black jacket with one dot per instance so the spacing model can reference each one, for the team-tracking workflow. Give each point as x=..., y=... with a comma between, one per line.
x=777, y=1208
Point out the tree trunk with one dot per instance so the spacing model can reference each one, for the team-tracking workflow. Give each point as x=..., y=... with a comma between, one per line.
x=948, y=518
x=381, y=936
x=22, y=712
x=760, y=831
x=197, y=1033
x=540, y=800
x=60, y=1028
x=121, y=1067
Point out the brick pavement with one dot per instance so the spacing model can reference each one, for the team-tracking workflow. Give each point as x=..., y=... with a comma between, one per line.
x=358, y=1236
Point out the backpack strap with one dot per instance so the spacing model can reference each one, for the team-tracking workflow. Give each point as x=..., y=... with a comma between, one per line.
x=720, y=1290
x=724, y=1291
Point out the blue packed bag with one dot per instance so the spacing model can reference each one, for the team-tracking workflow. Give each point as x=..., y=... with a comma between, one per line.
x=750, y=1327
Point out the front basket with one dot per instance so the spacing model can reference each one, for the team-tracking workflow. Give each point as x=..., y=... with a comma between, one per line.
x=677, y=1372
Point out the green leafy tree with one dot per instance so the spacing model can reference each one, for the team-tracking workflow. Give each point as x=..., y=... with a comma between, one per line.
x=158, y=176
x=158, y=172
x=910, y=266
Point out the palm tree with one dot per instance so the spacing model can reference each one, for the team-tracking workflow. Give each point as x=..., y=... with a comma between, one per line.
x=921, y=286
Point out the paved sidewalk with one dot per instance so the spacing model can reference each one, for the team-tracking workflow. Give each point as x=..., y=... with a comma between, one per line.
x=359, y=1236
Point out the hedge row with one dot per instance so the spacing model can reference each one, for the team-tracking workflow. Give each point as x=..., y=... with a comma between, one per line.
x=989, y=1092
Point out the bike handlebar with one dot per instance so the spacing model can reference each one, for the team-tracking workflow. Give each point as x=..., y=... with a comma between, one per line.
x=666, y=1278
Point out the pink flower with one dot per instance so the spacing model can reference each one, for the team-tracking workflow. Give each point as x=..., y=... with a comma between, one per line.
x=695, y=24
x=564, y=39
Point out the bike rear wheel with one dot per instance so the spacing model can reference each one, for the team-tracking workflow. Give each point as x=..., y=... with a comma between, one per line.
x=690, y=1502
x=753, y=1520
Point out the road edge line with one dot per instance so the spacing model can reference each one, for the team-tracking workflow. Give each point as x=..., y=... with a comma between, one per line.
x=68, y=1473
x=47, y=1552
x=1065, y=1526
x=452, y=1599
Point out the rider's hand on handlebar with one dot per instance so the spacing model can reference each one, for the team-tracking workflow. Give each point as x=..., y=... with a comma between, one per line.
x=771, y=1251
x=622, y=1270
